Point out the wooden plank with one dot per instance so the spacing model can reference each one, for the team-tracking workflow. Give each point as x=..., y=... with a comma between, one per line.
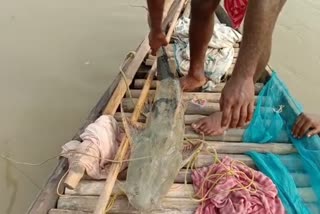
x=93, y=188
x=241, y=148
x=210, y=97
x=182, y=201
x=61, y=211
x=122, y=206
x=209, y=108
x=138, y=83
x=189, y=119
x=307, y=194
x=187, y=96
x=300, y=183
x=187, y=10
x=149, y=62
x=177, y=190
x=208, y=159
x=167, y=211
x=231, y=135
x=302, y=180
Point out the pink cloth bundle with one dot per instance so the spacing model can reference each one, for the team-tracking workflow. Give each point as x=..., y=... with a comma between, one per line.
x=227, y=195
x=100, y=142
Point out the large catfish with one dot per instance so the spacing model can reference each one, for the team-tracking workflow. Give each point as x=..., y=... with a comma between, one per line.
x=148, y=180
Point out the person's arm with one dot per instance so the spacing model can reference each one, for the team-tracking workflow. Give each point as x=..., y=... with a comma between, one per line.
x=156, y=36
x=306, y=124
x=155, y=8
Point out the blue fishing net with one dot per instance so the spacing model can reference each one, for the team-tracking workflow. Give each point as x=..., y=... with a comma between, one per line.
x=297, y=176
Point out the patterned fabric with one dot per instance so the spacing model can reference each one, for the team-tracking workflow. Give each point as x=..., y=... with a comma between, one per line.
x=227, y=189
x=236, y=9
x=219, y=55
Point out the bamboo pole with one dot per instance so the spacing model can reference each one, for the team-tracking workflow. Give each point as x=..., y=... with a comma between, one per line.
x=187, y=96
x=191, y=108
x=138, y=84
x=115, y=168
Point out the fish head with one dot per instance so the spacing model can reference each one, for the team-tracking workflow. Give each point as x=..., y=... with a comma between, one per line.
x=139, y=198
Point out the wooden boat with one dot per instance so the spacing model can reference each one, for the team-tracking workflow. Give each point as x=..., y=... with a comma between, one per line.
x=85, y=198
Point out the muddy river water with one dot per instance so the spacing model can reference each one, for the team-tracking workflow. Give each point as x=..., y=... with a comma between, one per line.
x=58, y=57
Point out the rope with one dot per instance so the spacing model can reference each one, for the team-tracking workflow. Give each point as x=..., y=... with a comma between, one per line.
x=69, y=152
x=130, y=55
x=59, y=184
x=230, y=171
x=111, y=203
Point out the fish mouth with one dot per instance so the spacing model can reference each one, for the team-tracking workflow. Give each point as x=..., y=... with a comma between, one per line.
x=141, y=202
x=138, y=200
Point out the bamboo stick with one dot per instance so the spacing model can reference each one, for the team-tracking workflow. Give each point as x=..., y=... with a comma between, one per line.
x=93, y=188
x=187, y=10
x=187, y=96
x=208, y=159
x=231, y=135
x=177, y=190
x=62, y=211
x=121, y=205
x=301, y=180
x=242, y=147
x=115, y=168
x=191, y=108
x=189, y=119
x=123, y=149
x=138, y=83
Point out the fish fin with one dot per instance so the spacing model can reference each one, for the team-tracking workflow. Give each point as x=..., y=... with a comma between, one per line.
x=131, y=129
x=121, y=185
x=189, y=151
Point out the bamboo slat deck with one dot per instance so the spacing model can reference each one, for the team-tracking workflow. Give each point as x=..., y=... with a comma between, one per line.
x=85, y=197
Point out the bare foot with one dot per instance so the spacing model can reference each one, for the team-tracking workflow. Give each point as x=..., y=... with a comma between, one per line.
x=210, y=125
x=190, y=83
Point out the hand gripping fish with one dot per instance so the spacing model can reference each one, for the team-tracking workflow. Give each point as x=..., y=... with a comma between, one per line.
x=148, y=180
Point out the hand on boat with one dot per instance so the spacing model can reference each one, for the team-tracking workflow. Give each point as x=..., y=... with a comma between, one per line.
x=156, y=40
x=306, y=124
x=237, y=101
